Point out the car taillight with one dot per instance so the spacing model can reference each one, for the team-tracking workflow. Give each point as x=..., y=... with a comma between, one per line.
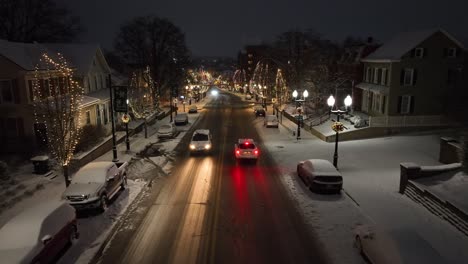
x=237, y=152
x=256, y=152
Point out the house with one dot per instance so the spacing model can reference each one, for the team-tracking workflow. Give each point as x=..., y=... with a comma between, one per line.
x=414, y=74
x=18, y=61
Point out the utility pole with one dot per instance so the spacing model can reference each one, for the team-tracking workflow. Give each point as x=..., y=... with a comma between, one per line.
x=114, y=149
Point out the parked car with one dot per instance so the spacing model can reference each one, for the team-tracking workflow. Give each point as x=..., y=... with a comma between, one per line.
x=167, y=131
x=193, y=109
x=271, y=121
x=260, y=112
x=38, y=234
x=256, y=108
x=181, y=119
x=320, y=175
x=246, y=149
x=95, y=184
x=201, y=141
x=394, y=247
x=248, y=97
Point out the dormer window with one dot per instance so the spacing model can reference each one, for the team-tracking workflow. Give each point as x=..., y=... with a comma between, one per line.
x=419, y=52
x=451, y=52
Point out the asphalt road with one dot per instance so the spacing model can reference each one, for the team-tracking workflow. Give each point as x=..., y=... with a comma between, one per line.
x=213, y=210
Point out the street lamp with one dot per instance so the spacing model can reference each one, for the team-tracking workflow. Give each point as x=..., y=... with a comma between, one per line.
x=337, y=126
x=295, y=94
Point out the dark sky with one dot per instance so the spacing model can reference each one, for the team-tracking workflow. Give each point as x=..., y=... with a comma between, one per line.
x=221, y=28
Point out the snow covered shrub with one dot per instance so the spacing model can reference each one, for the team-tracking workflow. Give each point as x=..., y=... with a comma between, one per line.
x=91, y=135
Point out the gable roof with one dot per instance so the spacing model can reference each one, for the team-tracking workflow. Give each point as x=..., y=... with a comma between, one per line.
x=395, y=48
x=27, y=55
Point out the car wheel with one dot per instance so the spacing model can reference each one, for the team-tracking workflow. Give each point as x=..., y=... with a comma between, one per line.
x=358, y=244
x=123, y=185
x=73, y=234
x=103, y=203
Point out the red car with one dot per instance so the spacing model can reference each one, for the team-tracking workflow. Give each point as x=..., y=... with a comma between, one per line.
x=38, y=234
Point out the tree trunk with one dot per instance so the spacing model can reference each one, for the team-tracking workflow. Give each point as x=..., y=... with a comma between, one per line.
x=65, y=174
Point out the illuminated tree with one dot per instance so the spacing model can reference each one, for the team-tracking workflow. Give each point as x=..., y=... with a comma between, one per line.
x=57, y=98
x=143, y=99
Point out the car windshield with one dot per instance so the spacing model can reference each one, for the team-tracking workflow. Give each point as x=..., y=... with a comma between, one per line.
x=89, y=176
x=166, y=127
x=200, y=137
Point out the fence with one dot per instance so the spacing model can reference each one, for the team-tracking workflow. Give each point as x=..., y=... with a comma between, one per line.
x=407, y=121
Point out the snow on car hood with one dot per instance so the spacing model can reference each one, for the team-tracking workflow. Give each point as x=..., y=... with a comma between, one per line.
x=83, y=188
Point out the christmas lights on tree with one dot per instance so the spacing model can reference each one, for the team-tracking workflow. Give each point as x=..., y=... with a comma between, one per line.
x=57, y=98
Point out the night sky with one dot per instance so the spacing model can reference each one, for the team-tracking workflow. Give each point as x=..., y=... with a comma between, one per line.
x=221, y=28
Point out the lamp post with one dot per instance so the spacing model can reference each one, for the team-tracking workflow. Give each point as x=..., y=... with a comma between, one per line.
x=111, y=110
x=305, y=94
x=337, y=126
x=126, y=119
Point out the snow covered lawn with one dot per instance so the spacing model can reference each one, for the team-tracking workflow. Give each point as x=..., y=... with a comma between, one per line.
x=371, y=172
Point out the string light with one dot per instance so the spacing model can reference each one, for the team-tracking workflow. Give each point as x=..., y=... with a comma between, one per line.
x=143, y=99
x=57, y=100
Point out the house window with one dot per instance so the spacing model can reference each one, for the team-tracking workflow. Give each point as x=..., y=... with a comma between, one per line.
x=368, y=74
x=383, y=79
x=376, y=75
x=406, y=104
x=88, y=117
x=104, y=113
x=379, y=75
x=30, y=90
x=408, y=75
x=98, y=114
x=452, y=52
x=419, y=52
x=6, y=88
x=376, y=103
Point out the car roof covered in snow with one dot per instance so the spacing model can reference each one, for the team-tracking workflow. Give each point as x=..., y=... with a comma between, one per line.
x=322, y=167
x=25, y=231
x=202, y=131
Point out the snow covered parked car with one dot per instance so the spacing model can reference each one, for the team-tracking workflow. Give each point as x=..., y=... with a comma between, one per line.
x=319, y=175
x=95, y=184
x=271, y=121
x=167, y=131
x=38, y=234
x=181, y=119
x=394, y=247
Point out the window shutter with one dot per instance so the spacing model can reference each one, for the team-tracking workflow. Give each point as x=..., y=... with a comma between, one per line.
x=415, y=76
x=411, y=104
x=402, y=77
x=399, y=104
x=16, y=94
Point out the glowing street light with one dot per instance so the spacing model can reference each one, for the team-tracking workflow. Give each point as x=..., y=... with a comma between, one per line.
x=348, y=101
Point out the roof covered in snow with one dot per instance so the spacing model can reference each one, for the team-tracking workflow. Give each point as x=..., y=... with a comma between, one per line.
x=27, y=55
x=395, y=48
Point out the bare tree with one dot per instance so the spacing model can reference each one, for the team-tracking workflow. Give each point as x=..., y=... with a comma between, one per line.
x=158, y=43
x=57, y=98
x=143, y=101
x=37, y=20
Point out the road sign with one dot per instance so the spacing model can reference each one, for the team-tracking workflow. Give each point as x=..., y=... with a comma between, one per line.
x=120, y=99
x=300, y=117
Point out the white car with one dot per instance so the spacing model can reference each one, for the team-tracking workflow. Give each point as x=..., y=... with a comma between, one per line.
x=246, y=149
x=181, y=118
x=271, y=121
x=201, y=141
x=394, y=247
x=167, y=131
x=320, y=175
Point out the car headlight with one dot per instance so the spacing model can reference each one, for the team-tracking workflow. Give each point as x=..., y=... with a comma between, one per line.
x=207, y=146
x=192, y=146
x=85, y=196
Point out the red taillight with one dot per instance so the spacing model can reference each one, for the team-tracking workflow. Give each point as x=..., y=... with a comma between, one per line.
x=247, y=143
x=237, y=152
x=256, y=152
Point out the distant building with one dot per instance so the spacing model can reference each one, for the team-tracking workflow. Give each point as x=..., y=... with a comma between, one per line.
x=414, y=74
x=18, y=132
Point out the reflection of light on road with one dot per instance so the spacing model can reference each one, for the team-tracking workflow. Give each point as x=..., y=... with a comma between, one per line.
x=240, y=191
x=190, y=232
